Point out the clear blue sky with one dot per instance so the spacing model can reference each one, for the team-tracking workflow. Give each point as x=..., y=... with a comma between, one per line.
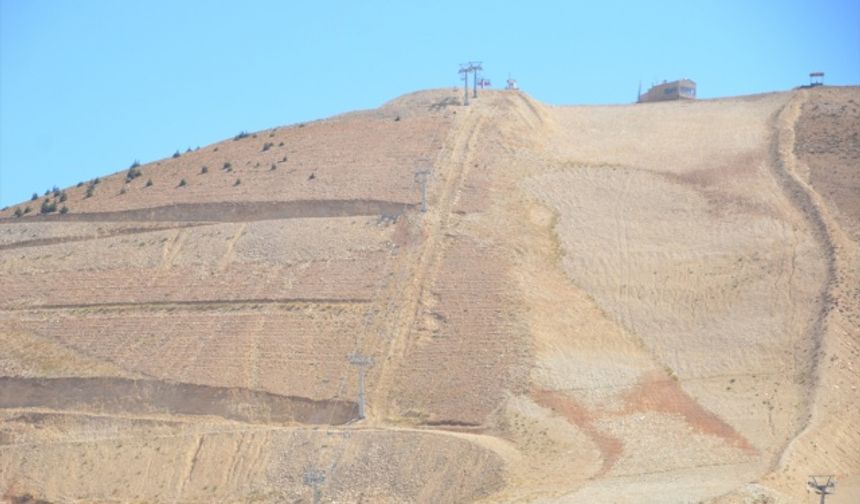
x=87, y=87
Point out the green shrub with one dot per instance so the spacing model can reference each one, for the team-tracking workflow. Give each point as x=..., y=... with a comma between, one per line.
x=90, y=190
x=34, y=197
x=148, y=183
x=122, y=190
x=134, y=165
x=241, y=135
x=274, y=167
x=55, y=191
x=182, y=183
x=63, y=196
x=18, y=212
x=176, y=154
x=64, y=210
x=267, y=146
x=96, y=181
x=80, y=184
x=133, y=173
x=238, y=181
x=48, y=207
x=27, y=209
x=204, y=170
x=228, y=166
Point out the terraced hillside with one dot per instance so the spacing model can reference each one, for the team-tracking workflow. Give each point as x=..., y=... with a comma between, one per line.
x=645, y=303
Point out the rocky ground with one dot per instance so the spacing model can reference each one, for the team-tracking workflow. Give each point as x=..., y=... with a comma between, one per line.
x=639, y=303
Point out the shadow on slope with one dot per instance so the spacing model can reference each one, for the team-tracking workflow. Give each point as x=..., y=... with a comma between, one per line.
x=119, y=396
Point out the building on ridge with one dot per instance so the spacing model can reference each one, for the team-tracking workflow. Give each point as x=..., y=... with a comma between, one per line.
x=682, y=89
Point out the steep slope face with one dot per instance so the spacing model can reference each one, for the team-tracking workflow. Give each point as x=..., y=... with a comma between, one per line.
x=611, y=304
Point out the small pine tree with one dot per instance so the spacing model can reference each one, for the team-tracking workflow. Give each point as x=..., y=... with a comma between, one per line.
x=133, y=173
x=34, y=197
x=135, y=164
x=176, y=154
x=48, y=207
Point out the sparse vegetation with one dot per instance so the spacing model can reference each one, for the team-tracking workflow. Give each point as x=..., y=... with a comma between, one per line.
x=63, y=196
x=284, y=160
x=176, y=154
x=34, y=197
x=204, y=170
x=96, y=181
x=134, y=165
x=48, y=207
x=90, y=190
x=133, y=173
x=228, y=167
x=242, y=134
x=80, y=184
x=267, y=146
x=64, y=210
x=18, y=212
x=182, y=183
x=122, y=190
x=56, y=191
x=397, y=119
x=27, y=209
x=274, y=167
x=238, y=181
x=148, y=183
x=281, y=144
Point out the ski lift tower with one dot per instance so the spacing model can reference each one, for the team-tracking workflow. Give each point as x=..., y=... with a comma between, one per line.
x=822, y=485
x=816, y=79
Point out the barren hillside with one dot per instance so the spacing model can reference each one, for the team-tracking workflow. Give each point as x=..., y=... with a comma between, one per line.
x=641, y=303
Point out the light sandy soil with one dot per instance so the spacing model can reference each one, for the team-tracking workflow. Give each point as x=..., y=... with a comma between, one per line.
x=640, y=303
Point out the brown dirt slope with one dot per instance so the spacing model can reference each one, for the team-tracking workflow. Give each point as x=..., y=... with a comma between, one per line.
x=602, y=304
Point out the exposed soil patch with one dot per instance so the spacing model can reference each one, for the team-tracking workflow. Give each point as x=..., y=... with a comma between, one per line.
x=659, y=393
x=123, y=396
x=610, y=447
x=239, y=211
